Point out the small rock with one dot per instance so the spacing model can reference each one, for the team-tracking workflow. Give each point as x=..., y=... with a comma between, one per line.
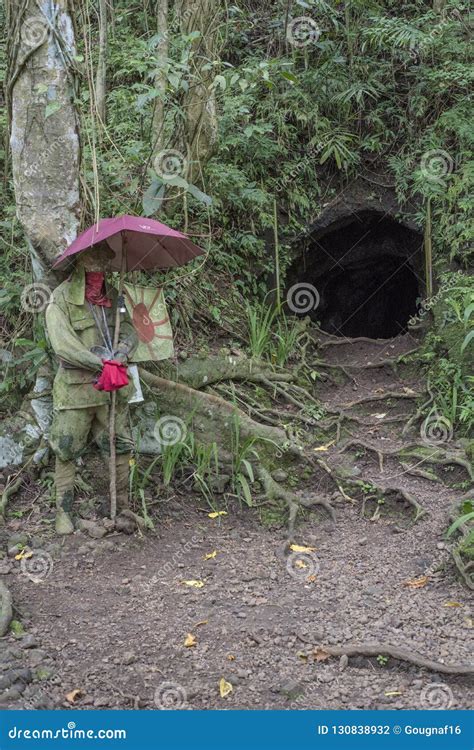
x=17, y=540
x=28, y=641
x=37, y=655
x=128, y=658
x=94, y=530
x=101, y=701
x=343, y=662
x=363, y=540
x=279, y=475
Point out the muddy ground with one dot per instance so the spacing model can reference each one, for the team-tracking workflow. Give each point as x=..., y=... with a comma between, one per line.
x=110, y=618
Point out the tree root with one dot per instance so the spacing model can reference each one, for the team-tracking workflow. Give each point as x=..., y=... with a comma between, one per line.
x=381, y=397
x=402, y=654
x=382, y=492
x=11, y=487
x=6, y=609
x=274, y=491
x=342, y=340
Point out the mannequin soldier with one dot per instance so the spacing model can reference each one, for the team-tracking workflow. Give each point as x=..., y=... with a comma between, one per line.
x=80, y=323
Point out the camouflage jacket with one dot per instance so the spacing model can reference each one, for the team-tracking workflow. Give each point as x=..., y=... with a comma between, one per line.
x=72, y=332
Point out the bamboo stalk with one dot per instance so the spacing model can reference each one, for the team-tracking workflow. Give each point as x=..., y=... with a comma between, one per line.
x=277, y=255
x=428, y=252
x=113, y=395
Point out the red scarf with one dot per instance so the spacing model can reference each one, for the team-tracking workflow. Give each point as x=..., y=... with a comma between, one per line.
x=95, y=289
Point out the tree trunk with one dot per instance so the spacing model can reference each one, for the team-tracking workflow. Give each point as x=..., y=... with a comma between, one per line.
x=44, y=138
x=101, y=75
x=161, y=77
x=199, y=103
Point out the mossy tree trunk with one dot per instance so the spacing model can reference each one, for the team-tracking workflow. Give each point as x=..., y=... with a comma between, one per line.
x=44, y=137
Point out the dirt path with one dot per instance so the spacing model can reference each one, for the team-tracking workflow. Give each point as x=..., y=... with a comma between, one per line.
x=111, y=618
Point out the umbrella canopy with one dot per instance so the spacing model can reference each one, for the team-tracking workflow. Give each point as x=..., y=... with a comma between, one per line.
x=146, y=244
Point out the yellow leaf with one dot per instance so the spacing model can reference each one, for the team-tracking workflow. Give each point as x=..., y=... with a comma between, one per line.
x=453, y=604
x=389, y=693
x=225, y=688
x=73, y=696
x=300, y=564
x=210, y=555
x=301, y=655
x=201, y=622
x=299, y=548
x=231, y=657
x=132, y=462
x=417, y=583
x=323, y=447
x=217, y=513
x=24, y=555
x=194, y=584
x=190, y=640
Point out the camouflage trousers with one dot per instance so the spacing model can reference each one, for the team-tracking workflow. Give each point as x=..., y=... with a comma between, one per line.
x=72, y=431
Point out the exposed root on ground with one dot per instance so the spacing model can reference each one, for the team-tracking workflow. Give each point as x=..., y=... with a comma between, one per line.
x=13, y=484
x=402, y=654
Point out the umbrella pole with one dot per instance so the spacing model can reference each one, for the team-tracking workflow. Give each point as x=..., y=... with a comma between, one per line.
x=113, y=397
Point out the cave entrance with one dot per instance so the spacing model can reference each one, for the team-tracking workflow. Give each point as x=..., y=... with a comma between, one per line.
x=367, y=270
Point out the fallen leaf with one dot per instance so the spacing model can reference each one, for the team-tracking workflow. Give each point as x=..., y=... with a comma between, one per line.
x=201, y=622
x=324, y=447
x=217, y=513
x=320, y=654
x=74, y=695
x=311, y=579
x=417, y=583
x=225, y=688
x=379, y=416
x=24, y=555
x=301, y=655
x=299, y=548
x=300, y=564
x=390, y=693
x=210, y=555
x=194, y=584
x=452, y=604
x=190, y=640
x=231, y=657
x=469, y=622
x=409, y=390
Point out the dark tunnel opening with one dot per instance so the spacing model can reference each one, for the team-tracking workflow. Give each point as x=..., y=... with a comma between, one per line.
x=366, y=271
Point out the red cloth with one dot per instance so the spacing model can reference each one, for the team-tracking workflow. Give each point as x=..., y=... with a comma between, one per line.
x=95, y=289
x=113, y=376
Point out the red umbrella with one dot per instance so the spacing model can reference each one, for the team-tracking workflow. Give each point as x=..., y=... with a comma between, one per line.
x=138, y=244
x=145, y=243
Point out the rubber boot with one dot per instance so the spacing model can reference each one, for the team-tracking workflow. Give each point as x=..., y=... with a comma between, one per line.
x=64, y=483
